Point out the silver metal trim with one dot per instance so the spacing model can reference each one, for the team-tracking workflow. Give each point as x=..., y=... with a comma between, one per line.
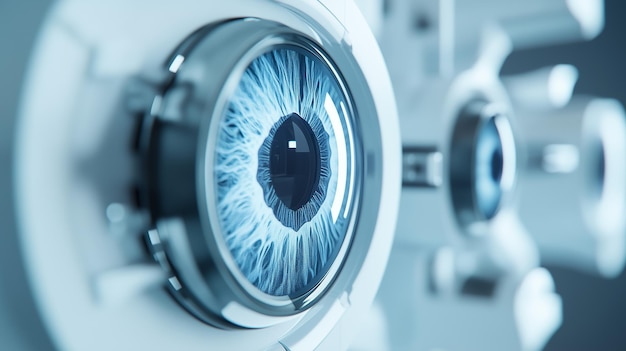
x=192, y=249
x=422, y=167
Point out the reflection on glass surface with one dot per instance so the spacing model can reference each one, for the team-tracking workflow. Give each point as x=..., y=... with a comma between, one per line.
x=284, y=171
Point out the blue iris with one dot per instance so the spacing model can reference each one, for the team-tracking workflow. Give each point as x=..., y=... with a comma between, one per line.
x=276, y=172
x=488, y=169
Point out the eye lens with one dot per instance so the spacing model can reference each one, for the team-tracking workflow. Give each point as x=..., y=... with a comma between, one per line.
x=285, y=171
x=488, y=169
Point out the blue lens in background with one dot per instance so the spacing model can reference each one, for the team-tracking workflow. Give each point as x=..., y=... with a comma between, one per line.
x=488, y=168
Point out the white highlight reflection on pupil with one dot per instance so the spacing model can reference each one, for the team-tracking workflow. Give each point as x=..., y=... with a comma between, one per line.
x=294, y=172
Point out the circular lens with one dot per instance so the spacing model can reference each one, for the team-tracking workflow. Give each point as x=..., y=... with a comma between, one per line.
x=482, y=163
x=488, y=168
x=285, y=171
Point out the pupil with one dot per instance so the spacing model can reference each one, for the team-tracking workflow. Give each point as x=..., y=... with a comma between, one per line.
x=294, y=162
x=496, y=165
x=599, y=171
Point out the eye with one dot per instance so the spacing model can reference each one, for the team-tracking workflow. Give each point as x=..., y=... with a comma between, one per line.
x=284, y=171
x=488, y=169
x=482, y=162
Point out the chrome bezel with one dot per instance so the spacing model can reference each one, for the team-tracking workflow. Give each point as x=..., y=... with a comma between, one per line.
x=204, y=277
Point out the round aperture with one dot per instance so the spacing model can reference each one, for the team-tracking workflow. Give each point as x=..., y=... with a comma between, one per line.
x=285, y=167
x=294, y=162
x=482, y=162
x=290, y=163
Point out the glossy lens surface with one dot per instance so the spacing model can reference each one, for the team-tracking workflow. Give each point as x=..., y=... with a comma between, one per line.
x=294, y=162
x=285, y=171
x=488, y=169
x=291, y=161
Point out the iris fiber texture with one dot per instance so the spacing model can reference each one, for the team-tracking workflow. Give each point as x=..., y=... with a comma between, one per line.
x=279, y=250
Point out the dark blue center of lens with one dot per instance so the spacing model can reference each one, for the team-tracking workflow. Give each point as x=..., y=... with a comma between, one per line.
x=496, y=165
x=488, y=165
x=293, y=169
x=598, y=172
x=294, y=162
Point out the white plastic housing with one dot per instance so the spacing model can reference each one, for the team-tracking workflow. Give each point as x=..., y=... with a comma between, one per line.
x=76, y=98
x=573, y=189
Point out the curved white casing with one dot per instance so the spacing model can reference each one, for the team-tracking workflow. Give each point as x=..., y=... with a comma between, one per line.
x=423, y=304
x=74, y=95
x=563, y=162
